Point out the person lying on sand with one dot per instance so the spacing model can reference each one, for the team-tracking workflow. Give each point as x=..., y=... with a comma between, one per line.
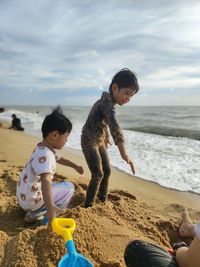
x=189, y=257
x=142, y=254
x=139, y=253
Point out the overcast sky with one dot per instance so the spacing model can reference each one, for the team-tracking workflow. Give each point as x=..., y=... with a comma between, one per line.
x=66, y=52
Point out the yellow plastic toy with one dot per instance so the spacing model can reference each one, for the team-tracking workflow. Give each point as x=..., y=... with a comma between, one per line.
x=65, y=227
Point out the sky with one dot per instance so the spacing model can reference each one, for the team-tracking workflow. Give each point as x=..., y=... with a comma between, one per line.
x=67, y=51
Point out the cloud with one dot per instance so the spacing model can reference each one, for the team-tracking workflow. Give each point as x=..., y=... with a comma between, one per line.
x=77, y=46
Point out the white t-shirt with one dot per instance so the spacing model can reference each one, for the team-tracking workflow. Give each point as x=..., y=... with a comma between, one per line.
x=29, y=193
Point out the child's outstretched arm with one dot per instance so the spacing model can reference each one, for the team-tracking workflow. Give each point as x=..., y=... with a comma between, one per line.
x=52, y=209
x=117, y=135
x=125, y=156
x=71, y=164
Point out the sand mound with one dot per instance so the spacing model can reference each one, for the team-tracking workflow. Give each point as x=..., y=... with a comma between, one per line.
x=102, y=233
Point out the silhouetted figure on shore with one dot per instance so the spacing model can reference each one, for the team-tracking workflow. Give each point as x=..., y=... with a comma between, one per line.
x=16, y=123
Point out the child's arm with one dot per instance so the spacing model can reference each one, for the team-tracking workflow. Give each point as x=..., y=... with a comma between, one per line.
x=71, y=164
x=117, y=134
x=52, y=210
x=125, y=156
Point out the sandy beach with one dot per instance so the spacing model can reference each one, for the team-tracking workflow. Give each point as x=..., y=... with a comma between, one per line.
x=136, y=209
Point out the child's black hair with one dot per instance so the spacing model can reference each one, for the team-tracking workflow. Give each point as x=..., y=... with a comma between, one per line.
x=125, y=78
x=56, y=121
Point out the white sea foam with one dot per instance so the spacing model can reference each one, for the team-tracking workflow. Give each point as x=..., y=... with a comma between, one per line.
x=171, y=162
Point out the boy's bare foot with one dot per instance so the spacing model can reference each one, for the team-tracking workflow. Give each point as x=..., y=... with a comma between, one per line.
x=187, y=227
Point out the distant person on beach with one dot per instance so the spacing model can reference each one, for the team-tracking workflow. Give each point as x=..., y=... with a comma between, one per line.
x=36, y=192
x=95, y=133
x=139, y=253
x=16, y=123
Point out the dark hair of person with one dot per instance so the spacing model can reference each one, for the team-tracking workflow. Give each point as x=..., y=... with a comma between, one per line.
x=125, y=78
x=130, y=254
x=56, y=121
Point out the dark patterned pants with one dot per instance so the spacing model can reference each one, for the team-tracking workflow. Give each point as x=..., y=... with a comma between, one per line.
x=142, y=254
x=98, y=162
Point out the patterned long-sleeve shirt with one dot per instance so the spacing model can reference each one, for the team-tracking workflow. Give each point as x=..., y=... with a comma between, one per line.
x=101, y=116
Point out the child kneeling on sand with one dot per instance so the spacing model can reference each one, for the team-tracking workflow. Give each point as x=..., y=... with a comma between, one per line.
x=36, y=193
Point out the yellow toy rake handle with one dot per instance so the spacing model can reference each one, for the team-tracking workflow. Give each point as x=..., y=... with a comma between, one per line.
x=64, y=227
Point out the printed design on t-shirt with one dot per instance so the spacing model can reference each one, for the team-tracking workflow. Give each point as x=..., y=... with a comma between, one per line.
x=34, y=188
x=23, y=196
x=37, y=200
x=41, y=147
x=25, y=178
x=42, y=159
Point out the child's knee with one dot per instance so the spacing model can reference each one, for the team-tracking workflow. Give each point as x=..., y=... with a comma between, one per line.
x=97, y=176
x=107, y=172
x=69, y=188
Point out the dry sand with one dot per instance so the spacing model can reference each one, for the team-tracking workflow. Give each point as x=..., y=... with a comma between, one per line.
x=136, y=209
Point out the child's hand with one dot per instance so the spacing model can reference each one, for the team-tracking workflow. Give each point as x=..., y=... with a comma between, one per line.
x=79, y=169
x=53, y=212
x=129, y=161
x=132, y=167
x=126, y=158
x=107, y=142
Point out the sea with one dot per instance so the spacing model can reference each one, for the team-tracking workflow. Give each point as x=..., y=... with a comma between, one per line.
x=164, y=142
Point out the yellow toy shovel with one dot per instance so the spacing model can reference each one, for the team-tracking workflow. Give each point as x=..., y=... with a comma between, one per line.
x=65, y=227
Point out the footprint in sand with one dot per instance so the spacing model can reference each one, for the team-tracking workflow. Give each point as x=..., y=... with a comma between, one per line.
x=124, y=193
x=113, y=197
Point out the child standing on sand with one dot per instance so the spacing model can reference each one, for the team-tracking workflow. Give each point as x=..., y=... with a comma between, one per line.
x=95, y=135
x=36, y=193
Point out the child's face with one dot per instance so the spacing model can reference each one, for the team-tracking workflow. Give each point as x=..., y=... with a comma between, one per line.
x=122, y=96
x=60, y=139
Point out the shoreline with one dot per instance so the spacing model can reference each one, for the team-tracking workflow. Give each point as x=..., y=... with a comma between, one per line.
x=153, y=163
x=115, y=181
x=77, y=152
